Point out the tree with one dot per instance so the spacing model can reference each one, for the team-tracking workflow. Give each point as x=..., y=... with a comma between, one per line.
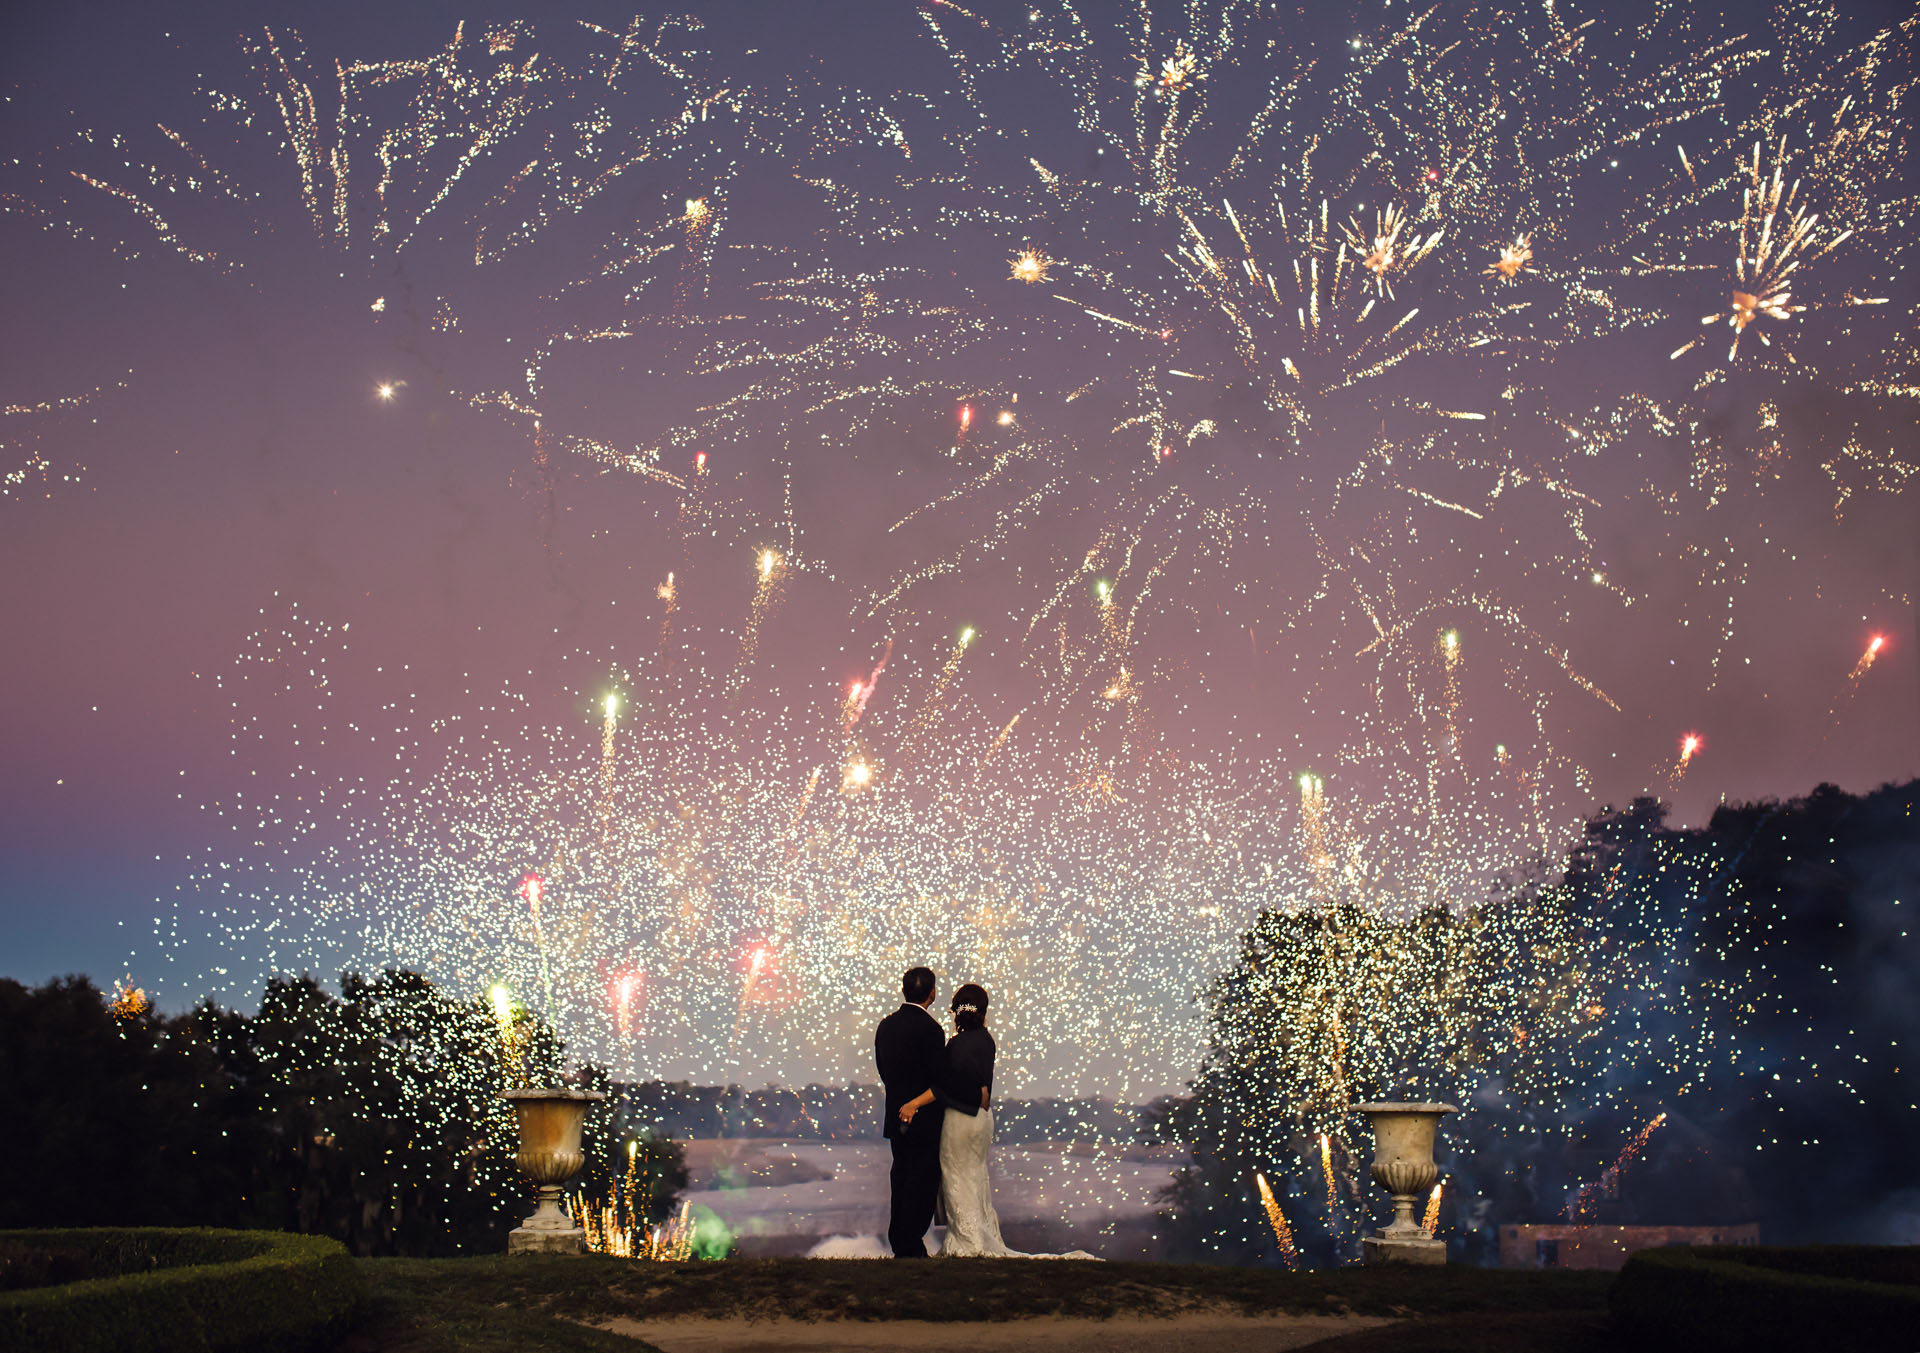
x=374, y=1116
x=115, y=1118
x=1686, y=1027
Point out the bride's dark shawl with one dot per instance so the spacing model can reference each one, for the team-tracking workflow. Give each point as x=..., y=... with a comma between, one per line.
x=968, y=1069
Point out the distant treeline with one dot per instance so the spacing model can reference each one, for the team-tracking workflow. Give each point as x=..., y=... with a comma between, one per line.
x=1679, y=1026
x=682, y=1111
x=373, y=1116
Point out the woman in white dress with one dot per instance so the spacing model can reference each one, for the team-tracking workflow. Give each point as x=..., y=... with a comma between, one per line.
x=965, y=1091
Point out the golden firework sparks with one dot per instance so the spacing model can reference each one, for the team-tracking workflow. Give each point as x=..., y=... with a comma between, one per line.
x=1277, y=1219
x=128, y=1001
x=1778, y=235
x=1029, y=265
x=1389, y=248
x=1180, y=71
x=1514, y=259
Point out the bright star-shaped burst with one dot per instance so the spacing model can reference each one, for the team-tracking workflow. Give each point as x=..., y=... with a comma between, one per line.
x=1029, y=265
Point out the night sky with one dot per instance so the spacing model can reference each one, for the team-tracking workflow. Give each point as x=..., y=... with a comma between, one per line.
x=235, y=497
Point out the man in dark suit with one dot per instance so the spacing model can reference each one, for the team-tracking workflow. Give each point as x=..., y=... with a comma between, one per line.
x=908, y=1048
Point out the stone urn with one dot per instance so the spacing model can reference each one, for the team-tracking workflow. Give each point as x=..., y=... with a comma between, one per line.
x=1403, y=1165
x=549, y=1155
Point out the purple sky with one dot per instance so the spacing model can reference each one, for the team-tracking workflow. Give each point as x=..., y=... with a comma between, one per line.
x=246, y=466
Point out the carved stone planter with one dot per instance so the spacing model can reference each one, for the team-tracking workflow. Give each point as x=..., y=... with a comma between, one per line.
x=1403, y=1165
x=550, y=1155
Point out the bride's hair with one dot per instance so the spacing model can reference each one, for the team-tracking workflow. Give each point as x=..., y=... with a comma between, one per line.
x=970, y=1006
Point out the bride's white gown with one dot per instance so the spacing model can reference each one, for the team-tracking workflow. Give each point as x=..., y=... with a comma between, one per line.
x=973, y=1227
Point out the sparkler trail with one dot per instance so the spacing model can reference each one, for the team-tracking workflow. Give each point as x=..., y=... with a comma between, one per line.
x=771, y=567
x=607, y=730
x=1313, y=830
x=1282, y=1233
x=1860, y=669
x=1690, y=746
x=1608, y=1184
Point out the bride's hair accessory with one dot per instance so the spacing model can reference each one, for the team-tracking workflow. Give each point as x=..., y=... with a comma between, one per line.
x=970, y=1006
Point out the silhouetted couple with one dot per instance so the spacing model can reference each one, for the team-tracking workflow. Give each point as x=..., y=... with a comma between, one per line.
x=939, y=1120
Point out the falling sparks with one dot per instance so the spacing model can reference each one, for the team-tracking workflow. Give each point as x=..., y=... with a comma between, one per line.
x=721, y=839
x=1282, y=1233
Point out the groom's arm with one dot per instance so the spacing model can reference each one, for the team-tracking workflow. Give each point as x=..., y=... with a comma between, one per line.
x=914, y=1105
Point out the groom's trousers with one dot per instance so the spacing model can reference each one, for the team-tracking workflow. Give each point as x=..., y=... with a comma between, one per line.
x=916, y=1183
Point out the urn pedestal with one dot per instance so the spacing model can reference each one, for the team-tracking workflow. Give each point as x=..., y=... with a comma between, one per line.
x=549, y=1155
x=1403, y=1165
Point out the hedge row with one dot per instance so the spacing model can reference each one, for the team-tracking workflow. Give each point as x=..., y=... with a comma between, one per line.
x=1740, y=1298
x=153, y=1290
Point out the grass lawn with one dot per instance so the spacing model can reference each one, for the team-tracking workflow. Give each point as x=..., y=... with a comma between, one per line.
x=535, y=1302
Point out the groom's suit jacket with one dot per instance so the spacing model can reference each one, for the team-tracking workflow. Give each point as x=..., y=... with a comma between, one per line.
x=908, y=1048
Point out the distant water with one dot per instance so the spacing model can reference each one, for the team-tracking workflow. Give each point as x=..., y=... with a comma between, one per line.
x=1067, y=1185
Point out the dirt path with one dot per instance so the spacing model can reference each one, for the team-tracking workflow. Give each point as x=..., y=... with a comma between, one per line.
x=1122, y=1334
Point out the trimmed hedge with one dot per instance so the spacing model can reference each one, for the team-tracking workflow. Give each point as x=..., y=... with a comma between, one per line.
x=154, y=1290
x=1740, y=1298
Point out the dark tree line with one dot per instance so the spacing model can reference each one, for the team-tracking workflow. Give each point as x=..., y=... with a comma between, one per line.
x=373, y=1116
x=1752, y=986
